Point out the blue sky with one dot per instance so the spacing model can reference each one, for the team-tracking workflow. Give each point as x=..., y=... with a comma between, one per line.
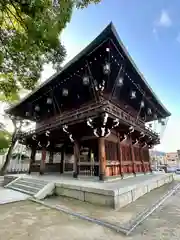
x=150, y=30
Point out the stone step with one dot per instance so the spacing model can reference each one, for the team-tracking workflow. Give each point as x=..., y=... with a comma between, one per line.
x=33, y=184
x=32, y=187
x=28, y=189
x=21, y=185
x=34, y=181
x=31, y=193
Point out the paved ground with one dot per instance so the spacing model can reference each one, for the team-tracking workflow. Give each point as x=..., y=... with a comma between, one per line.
x=8, y=195
x=31, y=221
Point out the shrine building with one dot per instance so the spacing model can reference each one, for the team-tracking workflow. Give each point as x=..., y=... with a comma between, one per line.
x=94, y=116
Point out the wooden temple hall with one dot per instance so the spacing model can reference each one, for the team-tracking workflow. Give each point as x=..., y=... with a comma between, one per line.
x=93, y=115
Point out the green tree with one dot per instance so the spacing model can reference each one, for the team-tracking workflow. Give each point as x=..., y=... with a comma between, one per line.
x=18, y=124
x=5, y=139
x=29, y=38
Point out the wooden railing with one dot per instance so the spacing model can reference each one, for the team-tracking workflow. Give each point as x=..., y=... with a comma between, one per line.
x=69, y=117
x=91, y=110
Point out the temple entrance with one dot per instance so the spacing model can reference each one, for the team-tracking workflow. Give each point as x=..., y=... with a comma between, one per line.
x=88, y=160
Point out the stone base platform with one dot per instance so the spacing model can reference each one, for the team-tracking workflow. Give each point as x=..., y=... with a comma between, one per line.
x=115, y=194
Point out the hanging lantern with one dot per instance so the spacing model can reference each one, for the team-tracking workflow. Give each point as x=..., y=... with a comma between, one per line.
x=155, y=116
x=107, y=49
x=159, y=120
x=49, y=101
x=37, y=108
x=27, y=114
x=149, y=111
x=142, y=104
x=120, y=82
x=107, y=68
x=162, y=123
x=133, y=95
x=86, y=80
x=65, y=92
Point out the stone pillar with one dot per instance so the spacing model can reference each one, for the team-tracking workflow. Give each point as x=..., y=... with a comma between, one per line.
x=76, y=159
x=51, y=155
x=102, y=158
x=43, y=161
x=32, y=158
x=62, y=165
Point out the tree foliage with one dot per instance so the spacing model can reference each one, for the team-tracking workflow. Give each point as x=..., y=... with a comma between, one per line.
x=29, y=38
x=5, y=140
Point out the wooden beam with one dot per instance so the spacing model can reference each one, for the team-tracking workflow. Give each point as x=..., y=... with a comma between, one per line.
x=102, y=158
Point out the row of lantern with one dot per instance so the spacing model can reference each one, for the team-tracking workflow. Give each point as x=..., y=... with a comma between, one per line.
x=86, y=82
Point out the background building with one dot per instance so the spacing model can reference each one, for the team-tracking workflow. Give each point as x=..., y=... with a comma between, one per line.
x=172, y=159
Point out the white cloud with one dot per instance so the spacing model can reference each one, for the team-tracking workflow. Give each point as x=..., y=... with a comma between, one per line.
x=164, y=19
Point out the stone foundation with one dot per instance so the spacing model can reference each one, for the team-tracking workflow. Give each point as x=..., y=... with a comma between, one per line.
x=115, y=198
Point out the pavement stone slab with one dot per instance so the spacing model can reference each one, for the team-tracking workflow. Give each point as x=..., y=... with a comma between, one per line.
x=8, y=196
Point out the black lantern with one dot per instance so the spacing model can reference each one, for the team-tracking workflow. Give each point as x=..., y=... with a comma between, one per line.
x=120, y=82
x=65, y=92
x=107, y=68
x=27, y=114
x=149, y=111
x=133, y=95
x=49, y=101
x=142, y=104
x=37, y=108
x=86, y=80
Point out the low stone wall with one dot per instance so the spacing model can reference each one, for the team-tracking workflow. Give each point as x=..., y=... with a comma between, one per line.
x=112, y=198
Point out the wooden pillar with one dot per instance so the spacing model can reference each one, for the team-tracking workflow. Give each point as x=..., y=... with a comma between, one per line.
x=43, y=161
x=133, y=157
x=142, y=159
x=51, y=155
x=32, y=158
x=102, y=158
x=62, y=165
x=76, y=159
x=120, y=154
x=149, y=161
